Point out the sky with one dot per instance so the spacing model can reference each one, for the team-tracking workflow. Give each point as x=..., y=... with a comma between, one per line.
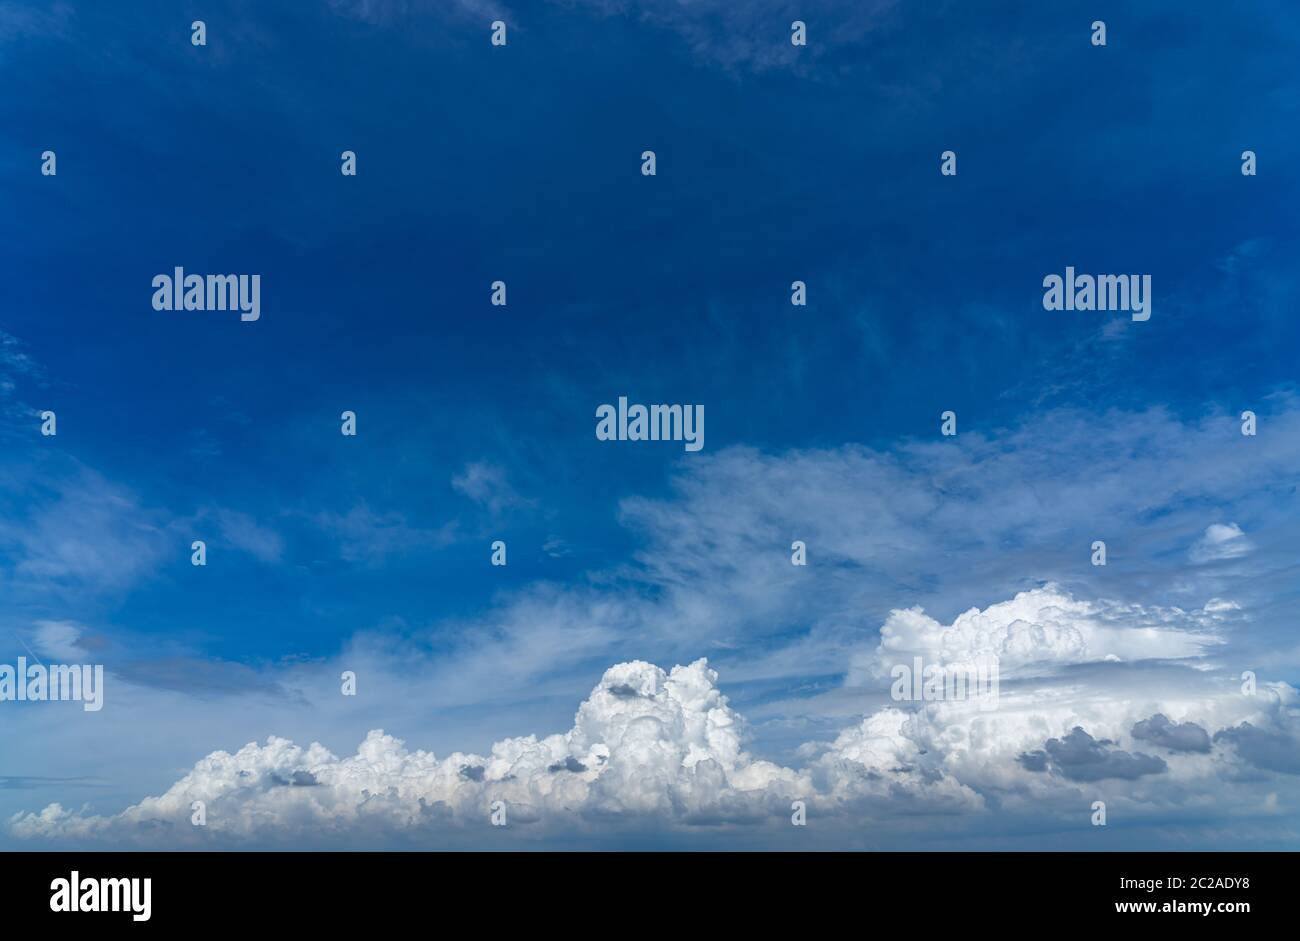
x=649, y=669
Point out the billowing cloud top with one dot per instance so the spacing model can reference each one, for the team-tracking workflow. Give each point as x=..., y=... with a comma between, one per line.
x=1044, y=628
x=665, y=750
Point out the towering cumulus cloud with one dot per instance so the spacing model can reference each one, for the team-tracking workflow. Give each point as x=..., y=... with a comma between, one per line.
x=1082, y=716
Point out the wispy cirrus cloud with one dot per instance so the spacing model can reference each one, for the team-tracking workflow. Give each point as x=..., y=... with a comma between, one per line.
x=487, y=484
x=20, y=20
x=74, y=529
x=365, y=535
x=404, y=12
x=755, y=35
x=244, y=533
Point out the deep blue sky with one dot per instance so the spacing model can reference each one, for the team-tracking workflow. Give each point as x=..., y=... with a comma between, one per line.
x=523, y=164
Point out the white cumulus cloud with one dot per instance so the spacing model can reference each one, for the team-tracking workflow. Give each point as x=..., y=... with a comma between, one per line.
x=665, y=749
x=1221, y=541
x=1044, y=628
